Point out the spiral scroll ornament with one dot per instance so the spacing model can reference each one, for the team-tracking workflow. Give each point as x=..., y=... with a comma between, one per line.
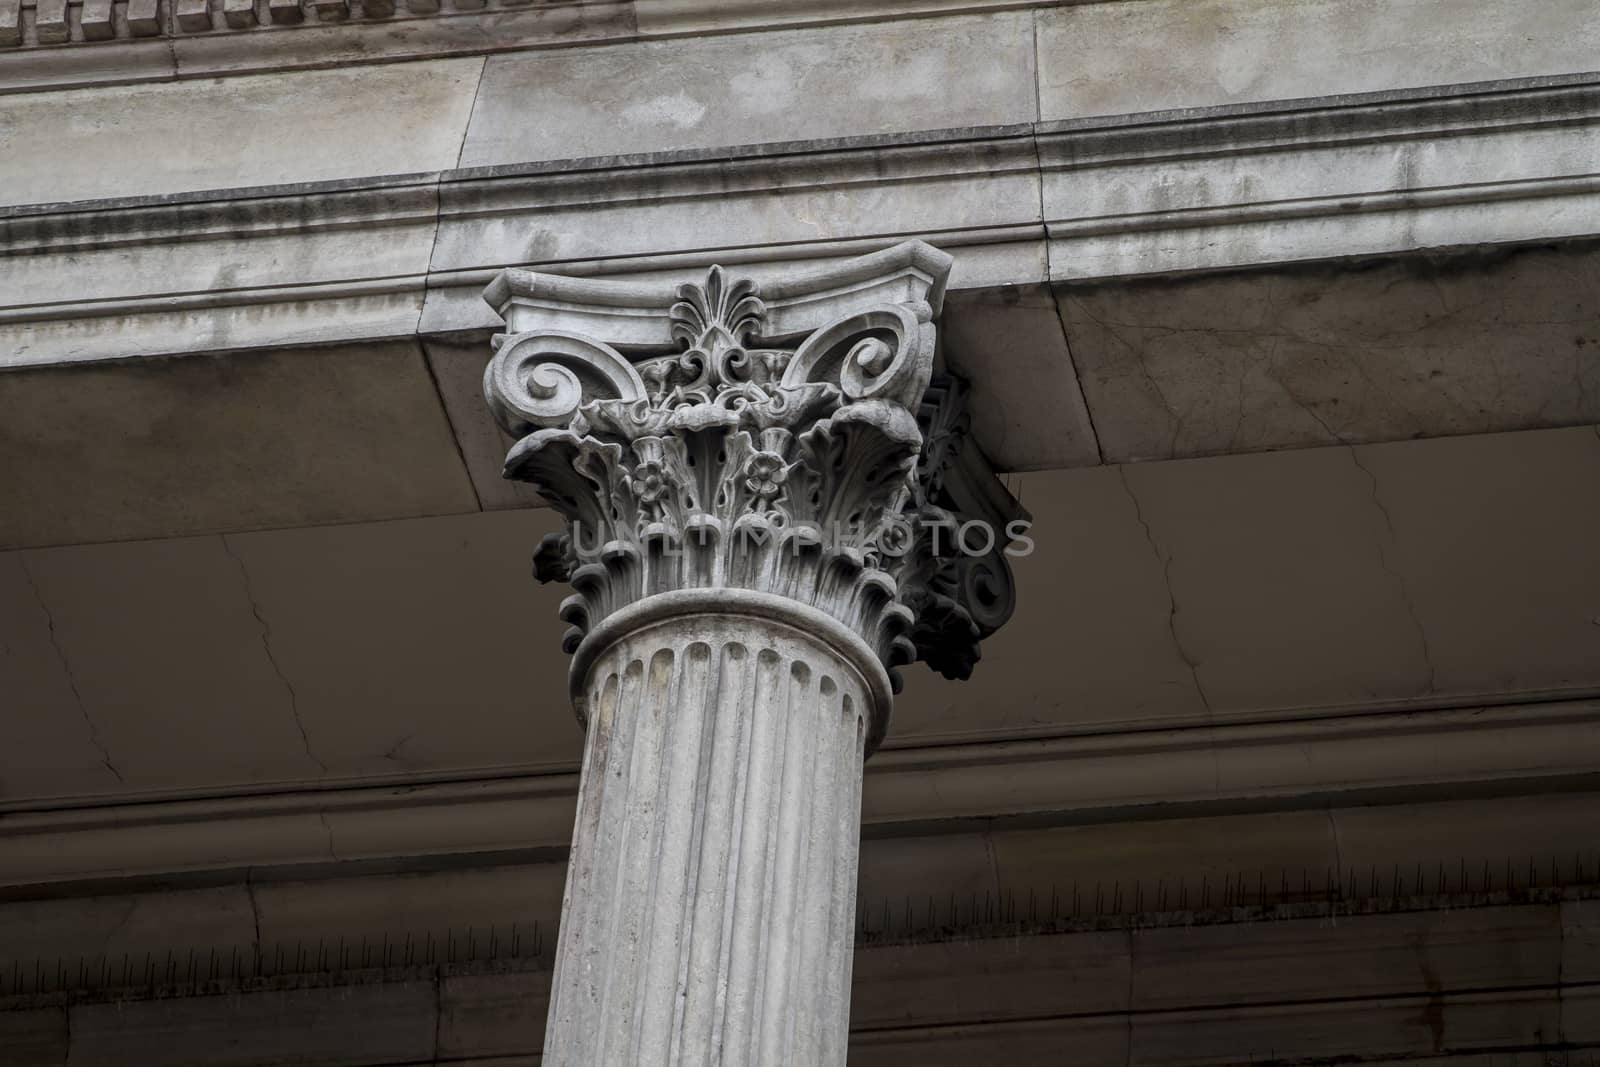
x=808, y=470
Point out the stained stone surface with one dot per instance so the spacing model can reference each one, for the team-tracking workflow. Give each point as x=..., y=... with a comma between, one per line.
x=822, y=82
x=1150, y=55
x=1320, y=355
x=281, y=438
x=232, y=132
x=711, y=895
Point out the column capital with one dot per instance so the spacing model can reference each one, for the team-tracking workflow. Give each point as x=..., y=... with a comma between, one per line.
x=790, y=438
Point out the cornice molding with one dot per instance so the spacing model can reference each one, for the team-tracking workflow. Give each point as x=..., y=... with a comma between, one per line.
x=1327, y=189
x=1452, y=754
x=52, y=44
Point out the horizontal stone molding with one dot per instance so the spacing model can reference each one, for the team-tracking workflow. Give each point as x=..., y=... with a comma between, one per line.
x=196, y=38
x=1425, y=982
x=1240, y=768
x=1226, y=188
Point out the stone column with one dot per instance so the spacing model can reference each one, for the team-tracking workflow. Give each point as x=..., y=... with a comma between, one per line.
x=763, y=498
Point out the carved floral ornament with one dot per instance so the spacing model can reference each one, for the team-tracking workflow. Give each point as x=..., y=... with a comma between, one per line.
x=830, y=466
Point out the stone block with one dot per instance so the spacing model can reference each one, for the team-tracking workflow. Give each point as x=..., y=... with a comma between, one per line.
x=194, y=16
x=1313, y=356
x=122, y=141
x=820, y=82
x=1152, y=55
x=1114, y=649
x=1236, y=538
x=239, y=14
x=144, y=20
x=442, y=691
x=293, y=437
x=98, y=20
x=10, y=22
x=51, y=22
x=1027, y=408
x=1493, y=533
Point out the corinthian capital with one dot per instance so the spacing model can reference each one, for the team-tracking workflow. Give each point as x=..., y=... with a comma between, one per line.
x=791, y=439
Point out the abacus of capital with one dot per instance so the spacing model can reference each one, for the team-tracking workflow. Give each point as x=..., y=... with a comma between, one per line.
x=761, y=486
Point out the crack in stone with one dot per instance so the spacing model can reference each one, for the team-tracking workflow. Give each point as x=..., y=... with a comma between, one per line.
x=1066, y=341
x=1141, y=356
x=393, y=751
x=255, y=910
x=266, y=646
x=1400, y=579
x=1172, y=600
x=1294, y=398
x=66, y=669
x=322, y=817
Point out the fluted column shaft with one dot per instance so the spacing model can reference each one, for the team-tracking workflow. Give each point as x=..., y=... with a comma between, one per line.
x=709, y=911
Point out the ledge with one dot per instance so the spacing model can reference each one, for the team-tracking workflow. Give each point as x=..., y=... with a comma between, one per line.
x=909, y=792
x=1145, y=195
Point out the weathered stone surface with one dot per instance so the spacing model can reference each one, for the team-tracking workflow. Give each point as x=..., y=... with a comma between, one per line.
x=1324, y=356
x=207, y=443
x=457, y=367
x=763, y=210
x=652, y=96
x=1498, y=619
x=1030, y=414
x=191, y=631
x=262, y=271
x=1150, y=55
x=408, y=691
x=709, y=903
x=1283, y=510
x=268, y=142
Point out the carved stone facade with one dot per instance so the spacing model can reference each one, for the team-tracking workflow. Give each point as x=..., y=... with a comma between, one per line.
x=769, y=508
x=827, y=465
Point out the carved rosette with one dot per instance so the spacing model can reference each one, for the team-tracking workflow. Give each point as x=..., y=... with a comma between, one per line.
x=831, y=468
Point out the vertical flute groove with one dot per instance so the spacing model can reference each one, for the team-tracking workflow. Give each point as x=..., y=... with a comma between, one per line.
x=702, y=917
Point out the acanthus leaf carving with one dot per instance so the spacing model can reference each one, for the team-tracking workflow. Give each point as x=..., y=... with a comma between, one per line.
x=808, y=470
